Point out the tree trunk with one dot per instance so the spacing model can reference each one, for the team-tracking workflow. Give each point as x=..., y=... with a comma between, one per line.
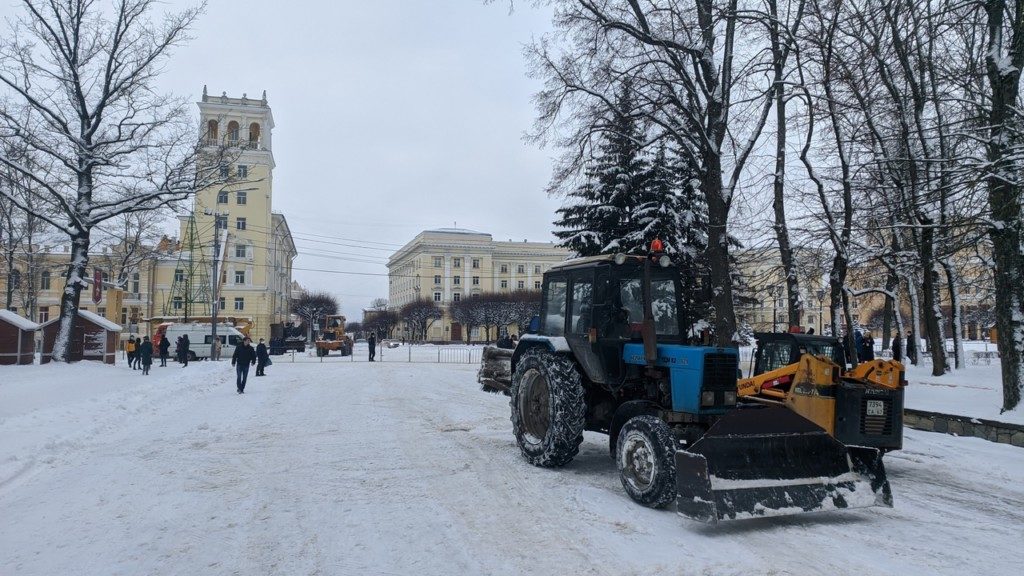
x=74, y=281
x=955, y=315
x=1004, y=194
x=933, y=320
x=718, y=254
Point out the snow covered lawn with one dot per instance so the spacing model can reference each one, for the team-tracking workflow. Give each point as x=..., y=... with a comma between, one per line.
x=396, y=468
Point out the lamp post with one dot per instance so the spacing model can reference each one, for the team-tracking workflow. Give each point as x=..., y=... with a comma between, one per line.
x=215, y=304
x=772, y=291
x=821, y=320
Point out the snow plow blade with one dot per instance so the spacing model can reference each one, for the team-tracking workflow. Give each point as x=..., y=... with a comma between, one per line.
x=772, y=462
x=495, y=373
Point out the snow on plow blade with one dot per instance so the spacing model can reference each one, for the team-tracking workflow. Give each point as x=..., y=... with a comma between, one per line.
x=495, y=373
x=773, y=462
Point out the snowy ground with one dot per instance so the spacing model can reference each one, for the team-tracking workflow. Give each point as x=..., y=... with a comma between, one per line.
x=348, y=467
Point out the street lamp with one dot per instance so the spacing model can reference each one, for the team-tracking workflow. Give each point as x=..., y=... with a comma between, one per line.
x=772, y=291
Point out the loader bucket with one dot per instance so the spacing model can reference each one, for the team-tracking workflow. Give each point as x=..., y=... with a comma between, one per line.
x=495, y=373
x=773, y=462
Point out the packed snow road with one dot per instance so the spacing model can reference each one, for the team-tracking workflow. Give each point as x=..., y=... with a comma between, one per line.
x=391, y=468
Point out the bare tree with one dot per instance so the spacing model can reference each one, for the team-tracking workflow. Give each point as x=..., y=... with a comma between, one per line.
x=420, y=314
x=79, y=91
x=313, y=307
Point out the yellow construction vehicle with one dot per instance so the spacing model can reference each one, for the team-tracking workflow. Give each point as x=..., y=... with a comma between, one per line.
x=862, y=406
x=333, y=338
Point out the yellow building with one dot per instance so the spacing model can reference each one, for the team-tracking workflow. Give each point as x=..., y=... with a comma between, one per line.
x=256, y=247
x=449, y=264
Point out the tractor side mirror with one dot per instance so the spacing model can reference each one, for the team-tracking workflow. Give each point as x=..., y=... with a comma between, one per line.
x=534, y=326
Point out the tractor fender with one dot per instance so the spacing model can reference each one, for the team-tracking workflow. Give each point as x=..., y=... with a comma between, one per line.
x=623, y=413
x=555, y=344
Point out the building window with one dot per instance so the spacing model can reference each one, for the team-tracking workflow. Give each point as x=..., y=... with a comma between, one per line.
x=437, y=279
x=176, y=303
x=240, y=250
x=536, y=285
x=456, y=297
x=101, y=311
x=520, y=269
x=504, y=283
x=135, y=283
x=44, y=280
x=124, y=316
x=239, y=303
x=437, y=296
x=223, y=303
x=240, y=223
x=536, y=269
x=520, y=285
x=239, y=276
x=221, y=222
x=243, y=172
x=225, y=171
x=438, y=261
x=241, y=198
x=233, y=132
x=179, y=275
x=476, y=280
x=15, y=279
x=457, y=280
x=456, y=262
x=211, y=130
x=504, y=268
x=476, y=263
x=44, y=313
x=254, y=134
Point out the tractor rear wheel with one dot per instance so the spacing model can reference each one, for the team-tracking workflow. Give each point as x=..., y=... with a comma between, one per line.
x=646, y=458
x=548, y=408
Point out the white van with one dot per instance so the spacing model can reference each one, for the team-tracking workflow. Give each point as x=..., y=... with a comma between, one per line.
x=200, y=336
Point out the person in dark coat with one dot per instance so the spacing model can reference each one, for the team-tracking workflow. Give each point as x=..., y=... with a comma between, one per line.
x=868, y=352
x=262, y=358
x=145, y=355
x=912, y=347
x=243, y=357
x=897, y=348
x=165, y=346
x=505, y=342
x=183, y=350
x=372, y=343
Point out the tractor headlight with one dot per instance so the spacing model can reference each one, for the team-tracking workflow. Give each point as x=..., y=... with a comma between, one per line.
x=730, y=397
x=620, y=259
x=707, y=398
x=664, y=261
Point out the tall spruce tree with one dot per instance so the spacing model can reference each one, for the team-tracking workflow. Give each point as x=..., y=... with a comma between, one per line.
x=600, y=215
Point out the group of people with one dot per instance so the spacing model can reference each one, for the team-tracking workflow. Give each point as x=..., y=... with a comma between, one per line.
x=140, y=356
x=140, y=353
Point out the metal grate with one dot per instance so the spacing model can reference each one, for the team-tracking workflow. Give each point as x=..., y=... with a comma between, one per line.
x=720, y=371
x=876, y=425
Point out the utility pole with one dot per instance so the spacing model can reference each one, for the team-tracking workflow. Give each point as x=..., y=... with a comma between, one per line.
x=215, y=304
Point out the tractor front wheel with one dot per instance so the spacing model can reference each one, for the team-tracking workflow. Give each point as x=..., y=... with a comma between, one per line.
x=646, y=458
x=548, y=408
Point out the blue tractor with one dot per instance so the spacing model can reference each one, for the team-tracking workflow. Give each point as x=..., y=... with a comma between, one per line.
x=609, y=354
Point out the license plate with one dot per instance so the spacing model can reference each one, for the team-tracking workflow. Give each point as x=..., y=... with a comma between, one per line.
x=876, y=408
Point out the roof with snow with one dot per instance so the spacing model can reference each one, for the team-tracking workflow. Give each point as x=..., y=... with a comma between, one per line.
x=455, y=231
x=99, y=320
x=19, y=321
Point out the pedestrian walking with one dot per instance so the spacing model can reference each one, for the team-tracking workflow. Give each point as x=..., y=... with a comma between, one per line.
x=912, y=347
x=262, y=358
x=145, y=355
x=868, y=343
x=216, y=349
x=897, y=348
x=183, y=347
x=243, y=357
x=165, y=346
x=372, y=343
x=129, y=349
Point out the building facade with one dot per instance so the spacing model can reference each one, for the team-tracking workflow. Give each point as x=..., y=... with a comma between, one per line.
x=449, y=264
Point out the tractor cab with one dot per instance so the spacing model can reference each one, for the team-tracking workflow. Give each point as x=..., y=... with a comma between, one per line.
x=596, y=305
x=775, y=350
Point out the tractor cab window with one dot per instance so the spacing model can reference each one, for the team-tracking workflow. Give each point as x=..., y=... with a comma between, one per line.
x=582, y=300
x=554, y=308
x=772, y=356
x=663, y=304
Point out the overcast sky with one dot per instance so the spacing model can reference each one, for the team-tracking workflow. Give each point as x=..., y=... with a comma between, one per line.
x=392, y=116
